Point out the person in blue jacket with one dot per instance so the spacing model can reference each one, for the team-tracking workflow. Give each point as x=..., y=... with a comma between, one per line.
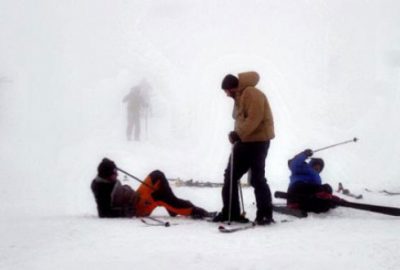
x=306, y=191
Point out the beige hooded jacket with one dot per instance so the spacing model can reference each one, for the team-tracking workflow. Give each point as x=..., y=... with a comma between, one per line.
x=252, y=113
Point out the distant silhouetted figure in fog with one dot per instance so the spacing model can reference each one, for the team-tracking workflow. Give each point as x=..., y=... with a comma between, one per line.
x=137, y=107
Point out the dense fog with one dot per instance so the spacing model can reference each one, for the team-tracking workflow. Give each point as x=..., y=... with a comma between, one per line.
x=330, y=69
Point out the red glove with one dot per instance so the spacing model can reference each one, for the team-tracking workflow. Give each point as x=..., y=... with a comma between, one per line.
x=327, y=196
x=324, y=195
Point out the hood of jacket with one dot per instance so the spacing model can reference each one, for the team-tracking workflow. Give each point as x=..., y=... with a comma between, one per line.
x=246, y=79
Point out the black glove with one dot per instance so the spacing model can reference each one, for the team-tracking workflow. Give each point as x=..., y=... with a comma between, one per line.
x=199, y=213
x=308, y=152
x=233, y=137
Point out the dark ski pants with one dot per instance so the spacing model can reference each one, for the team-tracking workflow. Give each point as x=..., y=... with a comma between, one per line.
x=303, y=196
x=155, y=192
x=247, y=156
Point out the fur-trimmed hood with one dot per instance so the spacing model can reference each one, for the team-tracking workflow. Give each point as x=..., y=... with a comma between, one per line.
x=246, y=79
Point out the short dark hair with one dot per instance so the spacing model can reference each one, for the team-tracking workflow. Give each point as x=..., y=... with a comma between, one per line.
x=317, y=161
x=106, y=168
x=229, y=82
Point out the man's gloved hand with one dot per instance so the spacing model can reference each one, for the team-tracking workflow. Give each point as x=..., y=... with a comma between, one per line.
x=233, y=137
x=308, y=152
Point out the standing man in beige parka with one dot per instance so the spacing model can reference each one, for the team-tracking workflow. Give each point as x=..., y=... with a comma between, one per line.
x=254, y=128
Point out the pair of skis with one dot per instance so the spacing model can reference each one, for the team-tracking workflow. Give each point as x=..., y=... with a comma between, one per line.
x=251, y=225
x=151, y=221
x=393, y=211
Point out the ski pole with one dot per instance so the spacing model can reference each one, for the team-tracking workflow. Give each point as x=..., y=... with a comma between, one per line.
x=231, y=185
x=336, y=144
x=241, y=198
x=161, y=222
x=241, y=193
x=134, y=177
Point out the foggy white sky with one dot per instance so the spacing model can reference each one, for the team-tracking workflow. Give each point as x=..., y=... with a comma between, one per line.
x=330, y=70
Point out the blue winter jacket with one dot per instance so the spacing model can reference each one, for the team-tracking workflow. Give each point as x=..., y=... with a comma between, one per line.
x=302, y=171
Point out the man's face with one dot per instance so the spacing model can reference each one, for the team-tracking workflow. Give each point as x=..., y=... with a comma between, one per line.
x=230, y=92
x=317, y=168
x=113, y=177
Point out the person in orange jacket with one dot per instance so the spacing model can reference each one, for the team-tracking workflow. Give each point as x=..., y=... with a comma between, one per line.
x=116, y=200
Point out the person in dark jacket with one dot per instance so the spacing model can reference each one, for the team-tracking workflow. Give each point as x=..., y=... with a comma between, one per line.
x=112, y=198
x=116, y=200
x=306, y=191
x=254, y=129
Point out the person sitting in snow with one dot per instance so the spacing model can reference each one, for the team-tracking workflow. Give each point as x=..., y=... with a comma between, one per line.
x=116, y=200
x=306, y=191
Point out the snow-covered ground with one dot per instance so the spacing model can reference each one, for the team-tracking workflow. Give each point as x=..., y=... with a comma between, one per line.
x=329, y=68
x=342, y=239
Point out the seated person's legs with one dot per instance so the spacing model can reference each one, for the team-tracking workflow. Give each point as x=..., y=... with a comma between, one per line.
x=164, y=196
x=303, y=196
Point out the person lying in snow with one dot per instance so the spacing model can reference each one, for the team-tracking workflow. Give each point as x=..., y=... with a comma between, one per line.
x=116, y=200
x=306, y=191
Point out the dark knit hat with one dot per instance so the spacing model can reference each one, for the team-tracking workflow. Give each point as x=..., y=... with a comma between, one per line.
x=229, y=82
x=317, y=161
x=106, y=168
